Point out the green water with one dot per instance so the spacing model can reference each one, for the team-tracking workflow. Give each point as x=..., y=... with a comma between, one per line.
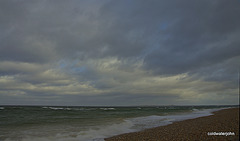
x=85, y=123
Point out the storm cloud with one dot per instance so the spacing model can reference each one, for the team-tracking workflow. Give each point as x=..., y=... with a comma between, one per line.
x=119, y=52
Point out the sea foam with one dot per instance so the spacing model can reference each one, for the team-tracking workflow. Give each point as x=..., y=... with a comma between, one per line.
x=99, y=132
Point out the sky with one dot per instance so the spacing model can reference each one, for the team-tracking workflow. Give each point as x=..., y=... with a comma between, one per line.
x=120, y=53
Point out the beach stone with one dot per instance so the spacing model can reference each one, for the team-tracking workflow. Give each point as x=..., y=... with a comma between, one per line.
x=226, y=120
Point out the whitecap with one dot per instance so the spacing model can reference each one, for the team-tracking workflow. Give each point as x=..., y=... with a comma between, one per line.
x=107, y=108
x=56, y=108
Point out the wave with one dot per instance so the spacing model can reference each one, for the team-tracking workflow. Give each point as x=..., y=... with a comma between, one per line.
x=107, y=109
x=2, y=108
x=56, y=108
x=99, y=132
x=195, y=109
x=141, y=123
x=76, y=109
x=161, y=107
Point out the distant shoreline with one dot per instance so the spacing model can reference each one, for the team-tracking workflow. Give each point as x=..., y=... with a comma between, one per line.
x=9, y=105
x=222, y=122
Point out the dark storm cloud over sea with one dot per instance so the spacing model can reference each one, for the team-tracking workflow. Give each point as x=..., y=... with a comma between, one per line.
x=102, y=52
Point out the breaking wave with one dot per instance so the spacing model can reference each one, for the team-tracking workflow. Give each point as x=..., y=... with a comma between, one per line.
x=99, y=132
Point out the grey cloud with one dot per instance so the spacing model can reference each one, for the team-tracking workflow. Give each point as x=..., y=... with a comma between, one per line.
x=180, y=37
x=71, y=28
x=12, y=68
x=123, y=29
x=202, y=35
x=33, y=29
x=67, y=45
x=225, y=71
x=184, y=61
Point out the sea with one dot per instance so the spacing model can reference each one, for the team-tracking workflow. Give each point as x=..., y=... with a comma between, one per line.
x=82, y=123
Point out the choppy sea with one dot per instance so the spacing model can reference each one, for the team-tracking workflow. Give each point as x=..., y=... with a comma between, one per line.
x=62, y=123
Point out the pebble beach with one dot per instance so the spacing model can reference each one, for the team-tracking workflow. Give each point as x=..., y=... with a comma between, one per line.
x=223, y=121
